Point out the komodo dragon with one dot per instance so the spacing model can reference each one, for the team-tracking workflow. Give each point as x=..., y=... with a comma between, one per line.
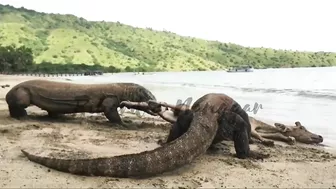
x=64, y=98
x=225, y=131
x=285, y=133
x=259, y=129
x=206, y=112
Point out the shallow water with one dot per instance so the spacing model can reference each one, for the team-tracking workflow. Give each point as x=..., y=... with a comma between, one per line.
x=307, y=95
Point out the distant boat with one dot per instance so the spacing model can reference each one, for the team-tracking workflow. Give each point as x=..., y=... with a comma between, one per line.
x=243, y=68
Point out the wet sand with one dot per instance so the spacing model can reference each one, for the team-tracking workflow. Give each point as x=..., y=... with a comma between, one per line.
x=89, y=135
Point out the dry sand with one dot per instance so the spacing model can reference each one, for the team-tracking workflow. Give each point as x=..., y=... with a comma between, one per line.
x=88, y=135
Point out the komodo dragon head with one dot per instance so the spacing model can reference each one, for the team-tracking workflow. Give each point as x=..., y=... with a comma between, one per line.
x=137, y=93
x=300, y=133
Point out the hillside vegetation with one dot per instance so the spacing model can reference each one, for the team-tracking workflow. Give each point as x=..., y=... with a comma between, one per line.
x=66, y=39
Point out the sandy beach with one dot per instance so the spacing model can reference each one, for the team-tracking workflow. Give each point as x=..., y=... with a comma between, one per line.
x=89, y=135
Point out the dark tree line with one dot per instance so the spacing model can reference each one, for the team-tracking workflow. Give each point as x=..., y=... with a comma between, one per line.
x=15, y=59
x=21, y=60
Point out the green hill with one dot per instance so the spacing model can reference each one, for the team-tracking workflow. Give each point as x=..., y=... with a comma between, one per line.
x=66, y=39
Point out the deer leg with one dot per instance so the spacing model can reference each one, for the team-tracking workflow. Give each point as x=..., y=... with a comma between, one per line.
x=263, y=141
x=281, y=127
x=279, y=137
x=142, y=106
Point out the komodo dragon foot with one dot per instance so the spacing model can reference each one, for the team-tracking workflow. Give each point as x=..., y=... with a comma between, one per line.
x=17, y=112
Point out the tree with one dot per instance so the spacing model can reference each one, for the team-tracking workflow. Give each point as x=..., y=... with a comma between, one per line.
x=13, y=59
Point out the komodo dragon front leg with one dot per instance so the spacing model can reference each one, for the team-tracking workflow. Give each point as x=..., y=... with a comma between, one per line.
x=18, y=103
x=110, y=105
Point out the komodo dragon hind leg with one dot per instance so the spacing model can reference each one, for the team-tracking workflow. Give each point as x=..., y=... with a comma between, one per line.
x=18, y=103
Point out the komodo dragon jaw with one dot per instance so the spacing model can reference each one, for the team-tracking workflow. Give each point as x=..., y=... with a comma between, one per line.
x=175, y=154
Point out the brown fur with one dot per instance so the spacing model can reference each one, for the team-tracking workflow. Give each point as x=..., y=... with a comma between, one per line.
x=281, y=132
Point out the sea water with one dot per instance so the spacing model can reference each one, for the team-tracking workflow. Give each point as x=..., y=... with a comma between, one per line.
x=286, y=95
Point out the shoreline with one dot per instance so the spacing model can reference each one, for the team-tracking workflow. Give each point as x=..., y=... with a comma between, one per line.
x=90, y=135
x=181, y=71
x=220, y=70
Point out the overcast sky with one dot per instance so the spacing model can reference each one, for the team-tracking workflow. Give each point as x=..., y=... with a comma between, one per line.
x=281, y=24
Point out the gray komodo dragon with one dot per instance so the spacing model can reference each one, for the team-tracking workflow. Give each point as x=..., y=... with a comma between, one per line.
x=206, y=112
x=64, y=98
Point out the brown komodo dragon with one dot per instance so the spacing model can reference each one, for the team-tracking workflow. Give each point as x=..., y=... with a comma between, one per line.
x=206, y=112
x=64, y=98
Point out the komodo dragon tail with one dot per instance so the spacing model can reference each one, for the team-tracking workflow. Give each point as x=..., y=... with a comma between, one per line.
x=148, y=163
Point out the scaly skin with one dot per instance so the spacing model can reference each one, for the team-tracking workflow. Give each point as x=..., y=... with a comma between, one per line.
x=64, y=98
x=193, y=143
x=229, y=123
x=233, y=125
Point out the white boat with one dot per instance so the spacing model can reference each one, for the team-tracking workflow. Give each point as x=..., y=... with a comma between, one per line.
x=243, y=68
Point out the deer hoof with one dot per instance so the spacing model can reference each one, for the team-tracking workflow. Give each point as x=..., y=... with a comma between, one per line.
x=291, y=140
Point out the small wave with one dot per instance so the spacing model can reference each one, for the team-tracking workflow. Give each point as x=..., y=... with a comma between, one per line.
x=317, y=95
x=323, y=93
x=304, y=93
